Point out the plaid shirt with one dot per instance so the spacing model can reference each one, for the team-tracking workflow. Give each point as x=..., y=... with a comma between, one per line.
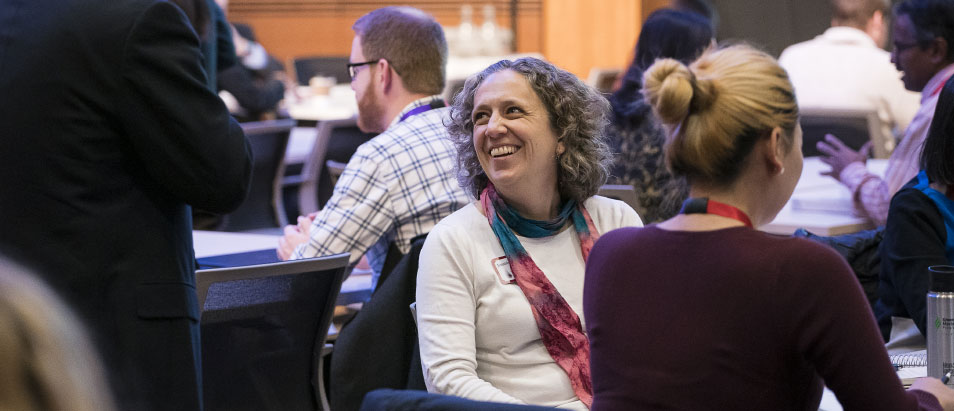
x=872, y=194
x=396, y=186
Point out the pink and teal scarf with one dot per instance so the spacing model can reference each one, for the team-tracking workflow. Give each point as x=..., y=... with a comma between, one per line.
x=560, y=327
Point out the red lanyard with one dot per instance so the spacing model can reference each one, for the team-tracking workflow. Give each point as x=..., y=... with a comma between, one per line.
x=703, y=205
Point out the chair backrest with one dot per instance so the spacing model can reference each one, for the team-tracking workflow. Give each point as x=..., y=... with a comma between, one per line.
x=328, y=66
x=263, y=328
x=852, y=127
x=335, y=168
x=398, y=400
x=379, y=347
x=622, y=192
x=263, y=207
x=603, y=79
x=311, y=171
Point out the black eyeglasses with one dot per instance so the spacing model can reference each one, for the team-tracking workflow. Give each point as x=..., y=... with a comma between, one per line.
x=901, y=47
x=353, y=67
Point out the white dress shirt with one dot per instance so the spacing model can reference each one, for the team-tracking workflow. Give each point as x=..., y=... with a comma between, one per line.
x=844, y=69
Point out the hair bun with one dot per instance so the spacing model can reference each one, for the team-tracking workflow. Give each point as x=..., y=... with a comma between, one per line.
x=703, y=95
x=667, y=85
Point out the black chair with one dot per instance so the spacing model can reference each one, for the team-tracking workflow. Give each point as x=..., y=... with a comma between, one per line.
x=335, y=140
x=378, y=348
x=263, y=207
x=263, y=332
x=852, y=127
x=335, y=168
x=328, y=66
x=622, y=192
x=402, y=400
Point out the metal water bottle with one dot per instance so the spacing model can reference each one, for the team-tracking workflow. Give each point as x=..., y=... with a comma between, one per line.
x=940, y=321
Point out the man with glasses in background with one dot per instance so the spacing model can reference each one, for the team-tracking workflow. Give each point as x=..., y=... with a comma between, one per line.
x=846, y=67
x=402, y=182
x=923, y=49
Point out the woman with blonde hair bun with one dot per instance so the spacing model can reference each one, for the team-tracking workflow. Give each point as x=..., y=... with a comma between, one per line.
x=703, y=311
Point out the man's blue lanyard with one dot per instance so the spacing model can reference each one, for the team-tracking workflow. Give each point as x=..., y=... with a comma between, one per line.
x=436, y=103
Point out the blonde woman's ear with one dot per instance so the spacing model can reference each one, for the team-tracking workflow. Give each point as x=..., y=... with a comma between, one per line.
x=777, y=150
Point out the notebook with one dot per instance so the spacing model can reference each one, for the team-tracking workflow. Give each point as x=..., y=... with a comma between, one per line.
x=239, y=259
x=911, y=366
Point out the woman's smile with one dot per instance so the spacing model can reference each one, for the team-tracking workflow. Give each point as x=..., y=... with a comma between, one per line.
x=503, y=151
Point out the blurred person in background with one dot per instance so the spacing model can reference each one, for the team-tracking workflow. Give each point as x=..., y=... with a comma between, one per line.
x=846, y=67
x=255, y=85
x=634, y=132
x=923, y=50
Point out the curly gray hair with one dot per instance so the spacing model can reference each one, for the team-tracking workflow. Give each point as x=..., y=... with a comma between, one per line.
x=577, y=112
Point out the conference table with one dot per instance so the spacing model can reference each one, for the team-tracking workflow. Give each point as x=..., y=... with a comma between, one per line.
x=821, y=204
x=356, y=288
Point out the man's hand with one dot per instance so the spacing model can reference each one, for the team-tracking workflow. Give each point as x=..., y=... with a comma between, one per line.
x=295, y=235
x=838, y=155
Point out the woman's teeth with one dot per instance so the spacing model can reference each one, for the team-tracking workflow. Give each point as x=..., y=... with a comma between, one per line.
x=502, y=151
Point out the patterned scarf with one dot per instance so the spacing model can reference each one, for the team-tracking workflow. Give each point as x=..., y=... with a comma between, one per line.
x=560, y=327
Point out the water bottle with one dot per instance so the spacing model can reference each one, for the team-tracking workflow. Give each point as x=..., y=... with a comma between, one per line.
x=940, y=321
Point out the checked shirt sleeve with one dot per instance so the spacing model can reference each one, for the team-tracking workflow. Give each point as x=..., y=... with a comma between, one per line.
x=870, y=192
x=357, y=215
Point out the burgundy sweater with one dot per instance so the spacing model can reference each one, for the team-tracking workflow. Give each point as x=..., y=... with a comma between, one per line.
x=732, y=319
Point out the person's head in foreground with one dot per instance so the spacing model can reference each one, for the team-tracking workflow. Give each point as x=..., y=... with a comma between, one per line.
x=703, y=311
x=46, y=360
x=733, y=122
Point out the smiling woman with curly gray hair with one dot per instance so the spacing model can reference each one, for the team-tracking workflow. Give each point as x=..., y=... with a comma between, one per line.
x=576, y=112
x=500, y=282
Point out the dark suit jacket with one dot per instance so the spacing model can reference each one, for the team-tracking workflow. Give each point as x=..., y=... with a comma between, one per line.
x=107, y=134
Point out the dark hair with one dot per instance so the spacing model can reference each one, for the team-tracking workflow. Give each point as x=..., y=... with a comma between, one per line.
x=198, y=13
x=578, y=115
x=931, y=19
x=937, y=155
x=701, y=7
x=411, y=41
x=665, y=34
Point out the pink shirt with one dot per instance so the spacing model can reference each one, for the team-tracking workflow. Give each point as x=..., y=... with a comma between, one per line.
x=872, y=194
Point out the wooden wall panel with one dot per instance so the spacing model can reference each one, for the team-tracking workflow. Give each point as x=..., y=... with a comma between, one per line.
x=581, y=35
x=289, y=28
